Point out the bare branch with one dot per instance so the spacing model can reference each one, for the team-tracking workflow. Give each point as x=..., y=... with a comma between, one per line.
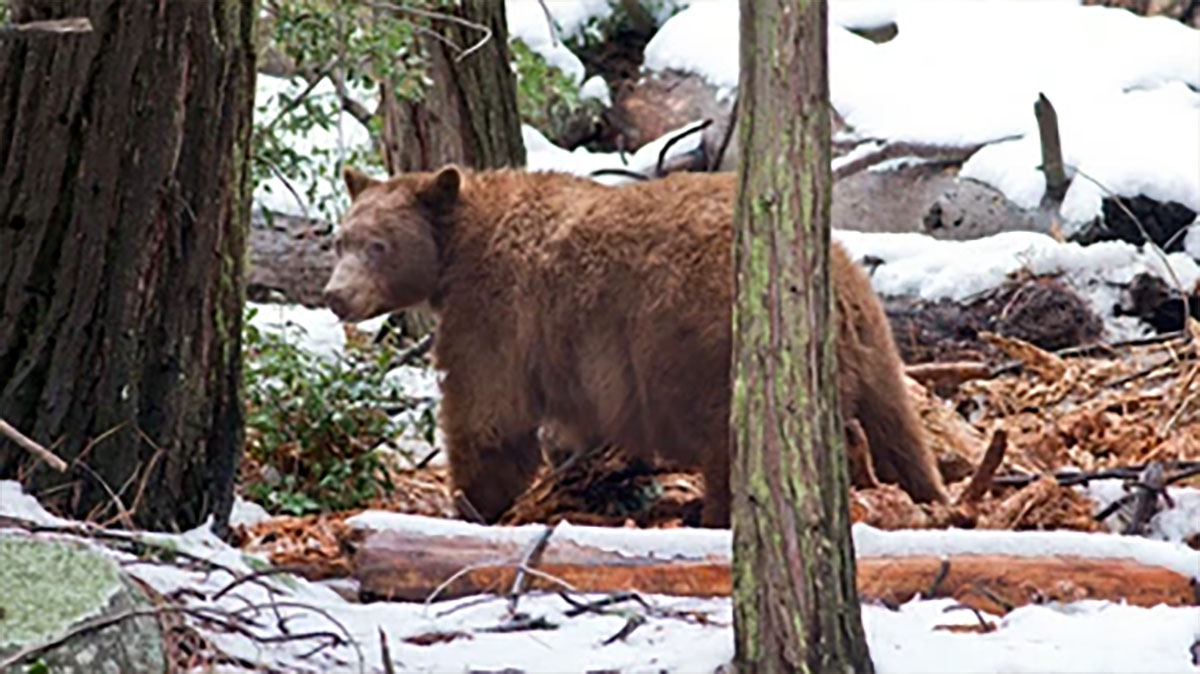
x=78, y=24
x=442, y=16
x=33, y=447
x=1052, y=158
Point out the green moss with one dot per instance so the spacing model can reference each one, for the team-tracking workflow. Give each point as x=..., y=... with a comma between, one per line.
x=45, y=586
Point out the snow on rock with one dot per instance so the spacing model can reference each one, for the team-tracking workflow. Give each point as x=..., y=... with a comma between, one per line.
x=14, y=502
x=596, y=88
x=1170, y=524
x=271, y=94
x=916, y=265
x=528, y=22
x=702, y=39
x=952, y=76
x=1109, y=146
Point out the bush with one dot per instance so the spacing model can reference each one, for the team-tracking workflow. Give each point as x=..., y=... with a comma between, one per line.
x=313, y=423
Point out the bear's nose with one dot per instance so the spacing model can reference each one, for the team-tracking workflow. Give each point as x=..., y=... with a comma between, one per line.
x=336, y=302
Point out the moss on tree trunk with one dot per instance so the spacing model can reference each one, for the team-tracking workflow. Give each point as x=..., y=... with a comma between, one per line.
x=795, y=605
x=123, y=218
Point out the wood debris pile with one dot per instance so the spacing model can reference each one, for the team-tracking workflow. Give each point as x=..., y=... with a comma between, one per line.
x=1054, y=420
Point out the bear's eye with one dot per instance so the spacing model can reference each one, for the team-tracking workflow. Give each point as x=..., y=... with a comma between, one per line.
x=376, y=249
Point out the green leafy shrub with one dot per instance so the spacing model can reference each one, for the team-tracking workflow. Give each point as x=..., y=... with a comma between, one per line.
x=313, y=423
x=547, y=99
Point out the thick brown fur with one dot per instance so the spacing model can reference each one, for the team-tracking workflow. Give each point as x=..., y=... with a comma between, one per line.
x=599, y=310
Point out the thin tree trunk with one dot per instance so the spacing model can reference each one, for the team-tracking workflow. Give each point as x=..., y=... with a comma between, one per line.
x=795, y=605
x=468, y=117
x=123, y=219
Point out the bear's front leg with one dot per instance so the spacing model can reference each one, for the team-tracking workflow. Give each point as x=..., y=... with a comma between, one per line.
x=492, y=471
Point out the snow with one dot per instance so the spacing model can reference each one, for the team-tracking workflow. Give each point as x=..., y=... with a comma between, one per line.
x=701, y=39
x=543, y=155
x=1170, y=524
x=916, y=265
x=596, y=88
x=968, y=73
x=316, y=330
x=1086, y=636
x=527, y=21
x=868, y=541
x=1109, y=140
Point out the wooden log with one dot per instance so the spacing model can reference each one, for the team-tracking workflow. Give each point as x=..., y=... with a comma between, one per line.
x=411, y=567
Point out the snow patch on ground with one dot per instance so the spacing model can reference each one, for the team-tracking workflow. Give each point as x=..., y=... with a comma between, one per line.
x=1088, y=636
x=952, y=76
x=916, y=265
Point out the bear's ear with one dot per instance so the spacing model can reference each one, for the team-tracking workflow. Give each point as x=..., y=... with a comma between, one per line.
x=356, y=181
x=441, y=191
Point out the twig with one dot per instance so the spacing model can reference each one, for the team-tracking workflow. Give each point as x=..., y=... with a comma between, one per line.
x=385, y=653
x=981, y=481
x=1072, y=478
x=921, y=150
x=554, y=41
x=662, y=154
x=252, y=577
x=1052, y=158
x=943, y=571
x=1162, y=256
x=442, y=16
x=123, y=513
x=1151, y=484
x=951, y=374
x=356, y=109
x=631, y=623
x=33, y=447
x=626, y=173
x=78, y=24
x=579, y=608
x=531, y=557
x=521, y=624
x=727, y=137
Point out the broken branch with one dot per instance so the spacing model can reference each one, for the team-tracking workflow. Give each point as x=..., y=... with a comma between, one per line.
x=33, y=447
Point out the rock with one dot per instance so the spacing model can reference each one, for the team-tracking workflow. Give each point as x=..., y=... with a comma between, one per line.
x=291, y=258
x=895, y=200
x=1158, y=304
x=49, y=586
x=1164, y=222
x=972, y=210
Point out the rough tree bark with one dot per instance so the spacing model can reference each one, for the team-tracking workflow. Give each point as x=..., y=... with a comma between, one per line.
x=795, y=606
x=468, y=117
x=123, y=217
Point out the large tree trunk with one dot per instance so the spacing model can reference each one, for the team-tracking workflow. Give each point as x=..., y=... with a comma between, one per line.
x=123, y=216
x=795, y=606
x=469, y=115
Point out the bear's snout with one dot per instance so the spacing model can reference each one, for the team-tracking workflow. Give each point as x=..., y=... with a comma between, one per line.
x=337, y=302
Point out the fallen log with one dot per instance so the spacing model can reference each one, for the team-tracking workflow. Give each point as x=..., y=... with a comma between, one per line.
x=416, y=567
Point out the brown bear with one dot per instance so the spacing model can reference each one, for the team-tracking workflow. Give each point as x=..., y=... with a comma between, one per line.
x=602, y=311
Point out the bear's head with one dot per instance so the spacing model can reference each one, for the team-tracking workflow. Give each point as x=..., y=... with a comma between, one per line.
x=387, y=245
